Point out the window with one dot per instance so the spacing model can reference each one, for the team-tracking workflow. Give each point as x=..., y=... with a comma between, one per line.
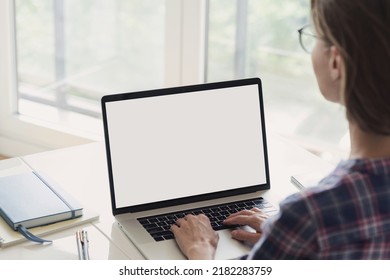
x=249, y=38
x=68, y=53
x=58, y=58
x=71, y=53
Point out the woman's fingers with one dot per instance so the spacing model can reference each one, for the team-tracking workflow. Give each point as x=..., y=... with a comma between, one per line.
x=195, y=236
x=243, y=235
x=253, y=218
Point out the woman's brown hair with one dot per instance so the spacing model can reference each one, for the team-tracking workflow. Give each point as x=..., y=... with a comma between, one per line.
x=360, y=29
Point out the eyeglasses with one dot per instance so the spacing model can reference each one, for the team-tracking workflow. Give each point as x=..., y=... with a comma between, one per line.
x=307, y=38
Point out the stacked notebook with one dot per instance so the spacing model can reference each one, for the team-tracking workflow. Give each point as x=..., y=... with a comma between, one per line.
x=32, y=207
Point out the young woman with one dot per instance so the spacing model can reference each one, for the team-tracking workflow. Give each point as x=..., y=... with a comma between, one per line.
x=347, y=216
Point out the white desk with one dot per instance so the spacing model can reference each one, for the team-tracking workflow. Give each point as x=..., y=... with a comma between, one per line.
x=82, y=171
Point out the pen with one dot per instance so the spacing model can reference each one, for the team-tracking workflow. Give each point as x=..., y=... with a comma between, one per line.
x=85, y=245
x=82, y=245
x=79, y=249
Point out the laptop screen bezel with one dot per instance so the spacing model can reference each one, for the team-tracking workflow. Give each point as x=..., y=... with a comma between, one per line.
x=180, y=90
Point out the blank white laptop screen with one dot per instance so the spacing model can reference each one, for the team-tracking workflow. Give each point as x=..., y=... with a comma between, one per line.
x=180, y=145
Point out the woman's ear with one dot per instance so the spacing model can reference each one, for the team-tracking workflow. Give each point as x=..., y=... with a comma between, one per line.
x=336, y=64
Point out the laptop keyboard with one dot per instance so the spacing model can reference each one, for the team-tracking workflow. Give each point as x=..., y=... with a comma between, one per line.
x=159, y=226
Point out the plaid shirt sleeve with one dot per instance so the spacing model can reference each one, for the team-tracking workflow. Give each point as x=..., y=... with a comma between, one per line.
x=289, y=235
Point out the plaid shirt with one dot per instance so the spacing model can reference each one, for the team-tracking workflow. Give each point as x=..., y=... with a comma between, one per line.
x=346, y=217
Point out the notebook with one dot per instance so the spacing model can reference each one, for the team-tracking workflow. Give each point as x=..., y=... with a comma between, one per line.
x=10, y=237
x=175, y=151
x=311, y=178
x=15, y=176
x=28, y=200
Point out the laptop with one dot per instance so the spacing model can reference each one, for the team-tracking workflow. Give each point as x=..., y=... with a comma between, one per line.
x=185, y=150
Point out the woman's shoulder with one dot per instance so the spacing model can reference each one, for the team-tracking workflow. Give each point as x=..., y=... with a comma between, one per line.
x=353, y=171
